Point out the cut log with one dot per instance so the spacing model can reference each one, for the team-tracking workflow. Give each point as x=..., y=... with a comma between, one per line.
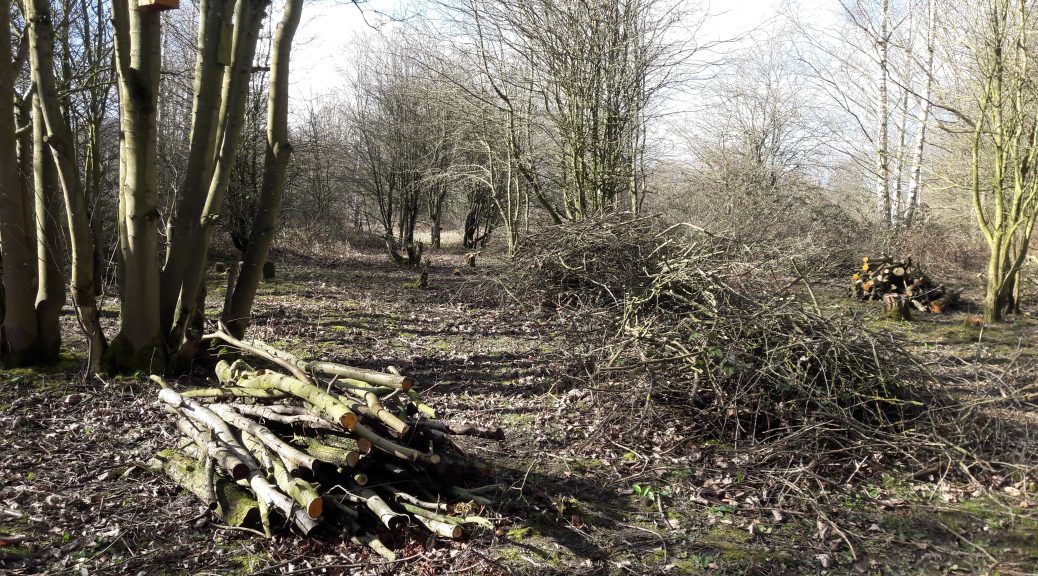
x=234, y=392
x=227, y=459
x=390, y=447
x=233, y=504
x=495, y=433
x=369, y=376
x=235, y=453
x=326, y=403
x=291, y=415
x=286, y=428
x=947, y=301
x=330, y=454
x=361, y=445
x=389, y=517
x=896, y=307
x=300, y=463
x=420, y=405
x=304, y=493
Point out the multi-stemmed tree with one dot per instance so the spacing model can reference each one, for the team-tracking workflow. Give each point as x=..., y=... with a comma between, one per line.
x=156, y=310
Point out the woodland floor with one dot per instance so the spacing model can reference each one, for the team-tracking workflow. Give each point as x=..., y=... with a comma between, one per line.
x=74, y=481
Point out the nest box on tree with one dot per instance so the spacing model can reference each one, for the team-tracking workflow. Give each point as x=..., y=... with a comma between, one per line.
x=157, y=5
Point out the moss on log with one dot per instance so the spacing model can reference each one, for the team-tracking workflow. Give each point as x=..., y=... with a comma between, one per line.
x=233, y=504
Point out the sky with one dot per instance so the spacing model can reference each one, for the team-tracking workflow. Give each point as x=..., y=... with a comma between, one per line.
x=327, y=27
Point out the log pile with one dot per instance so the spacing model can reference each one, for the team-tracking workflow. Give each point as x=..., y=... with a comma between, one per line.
x=901, y=286
x=326, y=446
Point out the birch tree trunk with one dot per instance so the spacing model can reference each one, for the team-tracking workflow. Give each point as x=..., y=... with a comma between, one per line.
x=56, y=135
x=279, y=150
x=138, y=61
x=915, y=179
x=20, y=331
x=882, y=119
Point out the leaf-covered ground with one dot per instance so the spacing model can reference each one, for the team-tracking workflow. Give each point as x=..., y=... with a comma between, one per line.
x=76, y=496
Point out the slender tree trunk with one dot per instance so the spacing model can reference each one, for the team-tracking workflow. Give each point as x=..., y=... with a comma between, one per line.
x=23, y=124
x=883, y=120
x=436, y=215
x=20, y=330
x=915, y=180
x=61, y=145
x=183, y=226
x=50, y=249
x=275, y=167
x=248, y=21
x=138, y=38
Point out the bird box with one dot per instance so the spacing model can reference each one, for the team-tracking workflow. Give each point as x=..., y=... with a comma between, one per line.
x=157, y=5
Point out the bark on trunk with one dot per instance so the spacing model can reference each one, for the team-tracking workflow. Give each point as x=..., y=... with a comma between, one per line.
x=20, y=330
x=213, y=30
x=882, y=121
x=915, y=179
x=279, y=150
x=249, y=15
x=233, y=504
x=50, y=250
x=59, y=141
x=138, y=61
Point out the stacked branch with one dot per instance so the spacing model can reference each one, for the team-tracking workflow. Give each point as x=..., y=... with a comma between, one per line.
x=322, y=445
x=721, y=352
x=901, y=286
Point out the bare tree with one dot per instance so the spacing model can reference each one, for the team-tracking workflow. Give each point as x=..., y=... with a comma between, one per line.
x=62, y=147
x=278, y=152
x=877, y=71
x=138, y=60
x=1004, y=146
x=20, y=330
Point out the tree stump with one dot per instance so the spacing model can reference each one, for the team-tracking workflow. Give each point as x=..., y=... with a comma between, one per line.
x=269, y=270
x=414, y=253
x=897, y=307
x=470, y=259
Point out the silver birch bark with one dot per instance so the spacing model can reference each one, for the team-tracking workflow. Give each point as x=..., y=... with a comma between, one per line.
x=883, y=118
x=915, y=179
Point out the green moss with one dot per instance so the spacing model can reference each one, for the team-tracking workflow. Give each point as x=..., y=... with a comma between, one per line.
x=251, y=563
x=122, y=358
x=732, y=545
x=582, y=465
x=520, y=532
x=693, y=565
x=655, y=556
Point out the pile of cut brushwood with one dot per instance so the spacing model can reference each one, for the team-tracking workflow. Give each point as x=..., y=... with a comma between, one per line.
x=901, y=286
x=325, y=446
x=695, y=320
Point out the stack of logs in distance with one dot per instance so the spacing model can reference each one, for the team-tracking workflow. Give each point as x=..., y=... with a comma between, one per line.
x=901, y=287
x=321, y=446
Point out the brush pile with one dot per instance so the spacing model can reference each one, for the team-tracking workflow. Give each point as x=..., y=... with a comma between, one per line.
x=901, y=286
x=327, y=446
x=722, y=351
